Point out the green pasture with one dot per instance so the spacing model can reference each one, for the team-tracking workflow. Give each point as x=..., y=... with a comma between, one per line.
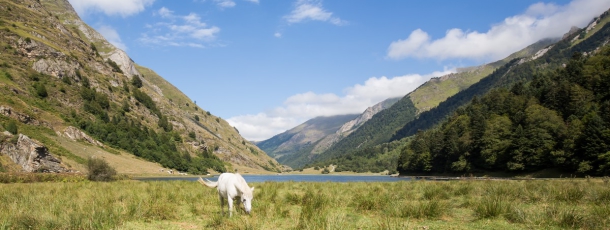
x=467, y=204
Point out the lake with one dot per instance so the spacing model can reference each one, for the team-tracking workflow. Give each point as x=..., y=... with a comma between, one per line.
x=296, y=178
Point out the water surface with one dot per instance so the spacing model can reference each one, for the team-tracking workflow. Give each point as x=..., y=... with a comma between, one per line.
x=296, y=178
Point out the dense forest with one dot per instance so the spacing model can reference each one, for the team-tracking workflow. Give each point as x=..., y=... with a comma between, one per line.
x=560, y=119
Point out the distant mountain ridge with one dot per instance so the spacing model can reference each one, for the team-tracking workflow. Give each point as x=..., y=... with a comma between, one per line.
x=339, y=128
x=306, y=134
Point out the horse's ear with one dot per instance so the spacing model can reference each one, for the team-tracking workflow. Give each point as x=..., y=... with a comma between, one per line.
x=252, y=189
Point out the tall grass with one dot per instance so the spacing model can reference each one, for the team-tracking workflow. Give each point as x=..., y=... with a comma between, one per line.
x=306, y=205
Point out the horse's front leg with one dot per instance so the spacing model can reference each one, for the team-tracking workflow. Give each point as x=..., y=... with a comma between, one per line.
x=230, y=201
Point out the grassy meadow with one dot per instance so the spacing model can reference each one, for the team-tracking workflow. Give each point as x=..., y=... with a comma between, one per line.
x=467, y=204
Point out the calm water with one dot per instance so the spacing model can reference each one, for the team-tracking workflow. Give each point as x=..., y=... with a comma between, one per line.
x=297, y=178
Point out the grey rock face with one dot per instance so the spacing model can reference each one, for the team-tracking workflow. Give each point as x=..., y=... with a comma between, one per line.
x=32, y=156
x=76, y=135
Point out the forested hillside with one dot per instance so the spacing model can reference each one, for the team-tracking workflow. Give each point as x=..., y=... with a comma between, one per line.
x=558, y=120
x=375, y=158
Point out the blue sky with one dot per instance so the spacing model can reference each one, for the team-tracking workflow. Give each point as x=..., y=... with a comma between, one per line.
x=269, y=65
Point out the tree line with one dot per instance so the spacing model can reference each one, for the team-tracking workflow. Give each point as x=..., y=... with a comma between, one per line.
x=560, y=119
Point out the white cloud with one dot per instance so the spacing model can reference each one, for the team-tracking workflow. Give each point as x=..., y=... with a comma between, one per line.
x=277, y=34
x=306, y=10
x=112, y=36
x=225, y=3
x=302, y=107
x=110, y=7
x=539, y=21
x=179, y=30
x=253, y=1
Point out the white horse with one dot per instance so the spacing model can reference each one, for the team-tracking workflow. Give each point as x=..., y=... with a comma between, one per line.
x=229, y=186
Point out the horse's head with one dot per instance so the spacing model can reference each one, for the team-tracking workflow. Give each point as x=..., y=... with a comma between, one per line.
x=246, y=199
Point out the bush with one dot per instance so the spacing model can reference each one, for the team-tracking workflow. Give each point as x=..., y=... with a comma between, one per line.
x=41, y=90
x=8, y=76
x=11, y=127
x=99, y=170
x=136, y=81
x=67, y=80
x=114, y=65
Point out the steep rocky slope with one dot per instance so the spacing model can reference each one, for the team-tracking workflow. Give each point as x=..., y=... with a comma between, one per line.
x=303, y=136
x=62, y=74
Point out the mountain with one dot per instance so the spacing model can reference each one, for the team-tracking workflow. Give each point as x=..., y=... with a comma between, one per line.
x=296, y=146
x=516, y=71
x=302, y=136
x=77, y=96
x=383, y=125
x=352, y=125
x=559, y=120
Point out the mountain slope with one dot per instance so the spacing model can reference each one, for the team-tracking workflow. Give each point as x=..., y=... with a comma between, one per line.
x=560, y=120
x=58, y=72
x=296, y=157
x=291, y=141
x=517, y=70
x=383, y=126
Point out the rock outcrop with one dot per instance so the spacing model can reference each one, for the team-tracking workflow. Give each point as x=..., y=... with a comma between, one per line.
x=76, y=135
x=21, y=117
x=31, y=155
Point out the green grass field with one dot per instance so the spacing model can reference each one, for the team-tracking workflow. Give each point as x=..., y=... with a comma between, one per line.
x=492, y=204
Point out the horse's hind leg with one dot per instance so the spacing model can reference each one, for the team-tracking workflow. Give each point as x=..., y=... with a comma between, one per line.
x=222, y=205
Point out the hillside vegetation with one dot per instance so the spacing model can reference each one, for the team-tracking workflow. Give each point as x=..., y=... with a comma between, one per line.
x=558, y=120
x=56, y=73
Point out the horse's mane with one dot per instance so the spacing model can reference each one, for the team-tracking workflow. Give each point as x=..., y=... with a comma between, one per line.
x=242, y=185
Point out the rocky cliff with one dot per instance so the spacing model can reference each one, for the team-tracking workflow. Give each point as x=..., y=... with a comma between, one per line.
x=30, y=154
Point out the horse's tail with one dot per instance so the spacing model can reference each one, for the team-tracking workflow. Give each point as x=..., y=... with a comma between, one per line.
x=208, y=183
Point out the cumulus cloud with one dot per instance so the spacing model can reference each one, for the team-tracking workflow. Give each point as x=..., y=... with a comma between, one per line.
x=110, y=7
x=302, y=107
x=311, y=10
x=179, y=30
x=539, y=21
x=112, y=36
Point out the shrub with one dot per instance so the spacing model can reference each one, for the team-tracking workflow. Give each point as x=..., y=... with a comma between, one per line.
x=136, y=81
x=67, y=80
x=41, y=90
x=11, y=127
x=99, y=170
x=8, y=76
x=114, y=65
